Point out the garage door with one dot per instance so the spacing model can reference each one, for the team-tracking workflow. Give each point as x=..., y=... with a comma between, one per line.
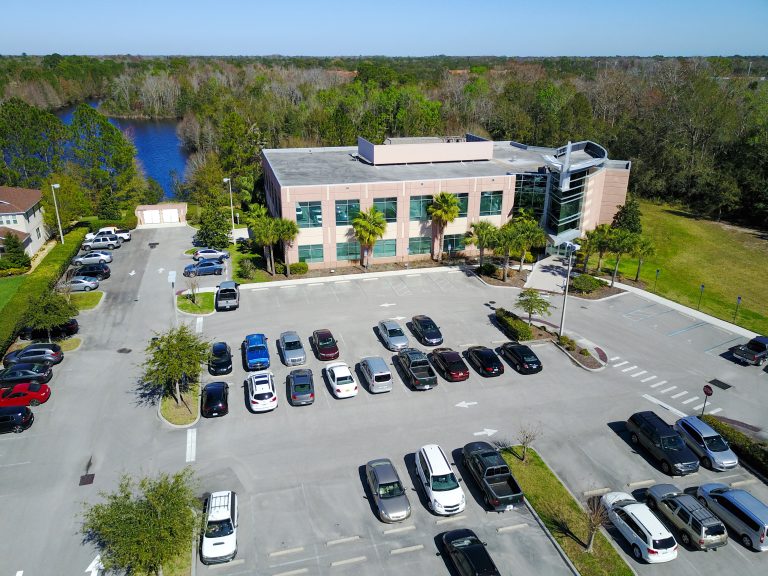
x=170, y=215
x=151, y=216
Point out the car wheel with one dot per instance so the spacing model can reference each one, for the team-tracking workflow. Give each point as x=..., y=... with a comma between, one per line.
x=34, y=402
x=102, y=261
x=18, y=429
x=486, y=501
x=87, y=288
x=634, y=439
x=685, y=539
x=747, y=541
x=636, y=552
x=707, y=463
x=666, y=468
x=218, y=272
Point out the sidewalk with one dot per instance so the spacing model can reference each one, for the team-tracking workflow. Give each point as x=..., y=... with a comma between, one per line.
x=548, y=275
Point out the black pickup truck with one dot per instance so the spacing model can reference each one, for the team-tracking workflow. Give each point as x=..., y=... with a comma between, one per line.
x=416, y=367
x=500, y=489
x=754, y=352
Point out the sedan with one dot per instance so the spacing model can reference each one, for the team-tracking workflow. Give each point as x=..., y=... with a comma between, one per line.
x=204, y=268
x=326, y=346
x=387, y=491
x=485, y=360
x=521, y=357
x=426, y=330
x=79, y=284
x=93, y=257
x=65, y=330
x=35, y=353
x=211, y=253
x=214, y=401
x=392, y=335
x=220, y=360
x=261, y=391
x=25, y=394
x=342, y=382
x=450, y=363
x=292, y=349
x=98, y=271
x=26, y=372
x=301, y=387
x=467, y=554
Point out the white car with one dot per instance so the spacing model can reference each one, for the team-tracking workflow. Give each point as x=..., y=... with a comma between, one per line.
x=441, y=487
x=219, y=543
x=647, y=536
x=342, y=381
x=93, y=257
x=80, y=284
x=261, y=391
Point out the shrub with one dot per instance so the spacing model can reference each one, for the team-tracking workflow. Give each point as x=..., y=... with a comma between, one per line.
x=513, y=326
x=12, y=271
x=516, y=256
x=586, y=283
x=247, y=268
x=752, y=452
x=299, y=268
x=279, y=268
x=487, y=269
x=584, y=352
x=128, y=221
x=567, y=343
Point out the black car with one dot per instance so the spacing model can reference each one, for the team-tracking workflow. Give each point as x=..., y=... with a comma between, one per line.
x=467, y=553
x=15, y=418
x=521, y=357
x=69, y=328
x=97, y=270
x=485, y=360
x=220, y=360
x=24, y=372
x=449, y=362
x=215, y=400
x=426, y=330
x=41, y=352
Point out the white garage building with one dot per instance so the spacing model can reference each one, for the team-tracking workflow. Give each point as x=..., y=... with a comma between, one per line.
x=162, y=214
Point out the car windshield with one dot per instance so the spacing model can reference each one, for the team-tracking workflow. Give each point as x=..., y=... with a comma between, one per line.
x=529, y=358
x=301, y=388
x=219, y=528
x=486, y=355
x=257, y=348
x=391, y=490
x=714, y=530
x=428, y=325
x=444, y=483
x=715, y=443
x=672, y=443
x=293, y=345
x=325, y=340
x=664, y=543
x=346, y=379
x=263, y=395
x=464, y=542
x=395, y=332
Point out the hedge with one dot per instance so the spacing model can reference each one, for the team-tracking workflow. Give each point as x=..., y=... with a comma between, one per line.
x=487, y=269
x=13, y=271
x=299, y=268
x=586, y=283
x=513, y=326
x=129, y=221
x=38, y=282
x=752, y=452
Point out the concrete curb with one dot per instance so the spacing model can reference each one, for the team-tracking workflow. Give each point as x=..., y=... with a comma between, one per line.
x=175, y=426
x=192, y=314
x=104, y=297
x=575, y=361
x=552, y=539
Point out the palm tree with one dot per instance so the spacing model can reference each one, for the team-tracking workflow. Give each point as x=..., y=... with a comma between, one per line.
x=602, y=235
x=286, y=230
x=529, y=235
x=265, y=233
x=482, y=235
x=369, y=225
x=642, y=250
x=622, y=242
x=588, y=246
x=507, y=240
x=443, y=210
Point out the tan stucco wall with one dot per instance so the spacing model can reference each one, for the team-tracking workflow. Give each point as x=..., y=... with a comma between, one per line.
x=614, y=194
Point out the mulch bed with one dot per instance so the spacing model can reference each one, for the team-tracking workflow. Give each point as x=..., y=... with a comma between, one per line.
x=603, y=292
x=588, y=361
x=515, y=279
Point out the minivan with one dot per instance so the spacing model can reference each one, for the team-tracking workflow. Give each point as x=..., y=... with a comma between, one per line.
x=662, y=442
x=15, y=418
x=377, y=374
x=441, y=487
x=708, y=445
x=743, y=513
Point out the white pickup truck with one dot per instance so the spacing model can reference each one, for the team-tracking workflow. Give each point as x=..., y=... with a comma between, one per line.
x=123, y=234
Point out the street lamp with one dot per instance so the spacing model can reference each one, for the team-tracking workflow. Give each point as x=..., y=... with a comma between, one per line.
x=570, y=250
x=231, y=206
x=56, y=207
x=701, y=293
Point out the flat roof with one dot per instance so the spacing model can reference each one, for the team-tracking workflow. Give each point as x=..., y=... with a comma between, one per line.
x=340, y=165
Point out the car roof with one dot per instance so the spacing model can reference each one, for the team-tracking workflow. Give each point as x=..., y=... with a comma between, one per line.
x=252, y=339
x=643, y=514
x=289, y=335
x=390, y=324
x=384, y=470
x=747, y=500
x=448, y=354
x=376, y=363
x=663, y=490
x=422, y=318
x=323, y=332
x=260, y=381
x=437, y=459
x=219, y=347
x=413, y=353
x=219, y=505
x=301, y=376
x=43, y=346
x=701, y=427
x=340, y=368
x=26, y=366
x=215, y=386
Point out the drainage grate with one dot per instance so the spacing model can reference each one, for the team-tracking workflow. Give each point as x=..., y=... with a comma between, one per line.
x=720, y=384
x=153, y=244
x=123, y=350
x=87, y=479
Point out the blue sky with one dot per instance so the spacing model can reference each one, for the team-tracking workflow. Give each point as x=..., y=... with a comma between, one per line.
x=389, y=27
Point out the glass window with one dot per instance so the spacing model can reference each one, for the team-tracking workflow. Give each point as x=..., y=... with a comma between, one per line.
x=388, y=206
x=453, y=242
x=419, y=208
x=311, y=253
x=384, y=248
x=348, y=250
x=530, y=193
x=420, y=245
x=346, y=210
x=490, y=203
x=309, y=214
x=463, y=204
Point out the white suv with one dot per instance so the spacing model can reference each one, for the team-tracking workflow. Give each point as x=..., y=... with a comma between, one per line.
x=439, y=482
x=219, y=542
x=261, y=391
x=649, y=538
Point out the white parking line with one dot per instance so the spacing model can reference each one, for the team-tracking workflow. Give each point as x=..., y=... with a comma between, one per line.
x=199, y=325
x=715, y=411
x=699, y=406
x=690, y=400
x=503, y=529
x=640, y=483
x=659, y=383
x=15, y=463
x=620, y=364
x=286, y=551
x=349, y=560
x=290, y=572
x=628, y=369
x=648, y=379
x=639, y=373
x=663, y=405
x=450, y=519
x=342, y=540
x=257, y=289
x=412, y=275
x=679, y=394
x=596, y=492
x=288, y=286
x=369, y=279
x=406, y=549
x=614, y=358
x=399, y=529
x=342, y=281
x=667, y=390
x=191, y=444
x=316, y=284
x=237, y=562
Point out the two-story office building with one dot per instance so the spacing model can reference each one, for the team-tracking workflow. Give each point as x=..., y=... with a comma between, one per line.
x=21, y=214
x=570, y=190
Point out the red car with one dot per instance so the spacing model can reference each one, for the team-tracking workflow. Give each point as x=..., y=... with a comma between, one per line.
x=450, y=364
x=326, y=346
x=26, y=394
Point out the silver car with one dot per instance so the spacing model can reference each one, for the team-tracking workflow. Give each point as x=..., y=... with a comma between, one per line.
x=292, y=349
x=80, y=284
x=387, y=491
x=707, y=444
x=93, y=257
x=392, y=335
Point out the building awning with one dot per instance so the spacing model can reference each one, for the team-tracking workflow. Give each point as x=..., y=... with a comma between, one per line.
x=562, y=238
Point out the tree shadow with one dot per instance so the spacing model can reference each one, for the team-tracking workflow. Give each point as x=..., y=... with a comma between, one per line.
x=558, y=523
x=147, y=393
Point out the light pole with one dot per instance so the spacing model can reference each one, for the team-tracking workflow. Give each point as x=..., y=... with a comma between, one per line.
x=701, y=293
x=738, y=303
x=570, y=250
x=231, y=206
x=56, y=207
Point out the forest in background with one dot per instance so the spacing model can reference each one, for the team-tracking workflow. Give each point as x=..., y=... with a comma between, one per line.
x=696, y=129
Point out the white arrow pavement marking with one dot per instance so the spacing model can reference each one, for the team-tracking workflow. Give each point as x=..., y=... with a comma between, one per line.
x=95, y=566
x=465, y=404
x=160, y=270
x=387, y=305
x=132, y=272
x=20, y=573
x=485, y=432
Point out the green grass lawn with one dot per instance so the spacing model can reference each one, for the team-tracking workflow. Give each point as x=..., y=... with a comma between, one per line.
x=185, y=411
x=236, y=256
x=729, y=261
x=564, y=517
x=203, y=304
x=87, y=300
x=8, y=287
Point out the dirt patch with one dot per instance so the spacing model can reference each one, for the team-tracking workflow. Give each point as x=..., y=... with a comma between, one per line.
x=515, y=279
x=603, y=292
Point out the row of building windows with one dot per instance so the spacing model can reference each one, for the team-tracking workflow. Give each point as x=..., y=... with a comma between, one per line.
x=309, y=214
x=382, y=249
x=8, y=219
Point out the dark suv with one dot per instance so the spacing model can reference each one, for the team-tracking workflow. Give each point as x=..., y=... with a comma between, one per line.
x=69, y=328
x=97, y=270
x=15, y=418
x=663, y=443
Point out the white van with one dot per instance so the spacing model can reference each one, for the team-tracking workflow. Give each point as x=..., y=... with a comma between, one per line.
x=439, y=482
x=377, y=375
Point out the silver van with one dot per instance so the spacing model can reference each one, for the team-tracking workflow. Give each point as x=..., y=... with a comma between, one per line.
x=739, y=510
x=708, y=445
x=377, y=374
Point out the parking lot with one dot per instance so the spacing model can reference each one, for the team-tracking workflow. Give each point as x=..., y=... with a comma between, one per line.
x=303, y=502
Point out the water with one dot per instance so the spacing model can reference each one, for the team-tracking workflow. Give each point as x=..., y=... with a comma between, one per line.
x=157, y=147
